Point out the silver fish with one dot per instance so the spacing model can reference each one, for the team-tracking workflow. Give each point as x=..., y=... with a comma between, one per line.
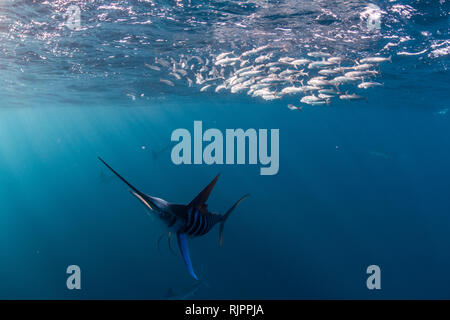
x=375, y=59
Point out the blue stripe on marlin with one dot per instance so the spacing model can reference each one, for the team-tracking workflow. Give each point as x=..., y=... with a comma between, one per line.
x=189, y=217
x=201, y=222
x=196, y=225
x=204, y=228
x=193, y=219
x=190, y=226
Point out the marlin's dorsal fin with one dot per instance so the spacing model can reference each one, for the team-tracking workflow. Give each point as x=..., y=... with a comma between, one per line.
x=199, y=201
x=182, y=243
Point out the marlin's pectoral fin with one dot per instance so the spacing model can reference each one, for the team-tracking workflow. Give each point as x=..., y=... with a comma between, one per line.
x=182, y=243
x=170, y=246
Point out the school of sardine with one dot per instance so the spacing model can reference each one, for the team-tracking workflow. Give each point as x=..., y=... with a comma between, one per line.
x=264, y=72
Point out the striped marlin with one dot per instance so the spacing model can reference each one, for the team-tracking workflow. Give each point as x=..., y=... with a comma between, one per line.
x=192, y=220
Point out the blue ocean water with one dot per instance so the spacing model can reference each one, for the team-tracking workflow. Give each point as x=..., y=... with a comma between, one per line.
x=360, y=182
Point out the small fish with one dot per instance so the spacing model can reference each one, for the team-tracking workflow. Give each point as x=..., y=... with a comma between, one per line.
x=328, y=72
x=343, y=80
x=199, y=60
x=310, y=88
x=270, y=97
x=262, y=92
x=318, y=82
x=243, y=63
x=203, y=89
x=405, y=53
x=318, y=54
x=300, y=62
x=227, y=61
x=292, y=90
x=259, y=86
x=336, y=60
x=263, y=58
x=347, y=96
x=238, y=72
x=311, y=99
x=317, y=103
x=181, y=71
x=343, y=69
x=162, y=62
x=271, y=79
x=236, y=80
x=287, y=72
x=249, y=82
x=238, y=88
x=254, y=51
x=232, y=80
x=220, y=87
x=199, y=78
x=292, y=107
x=168, y=82
x=319, y=64
x=329, y=91
x=223, y=55
x=175, y=75
x=250, y=73
x=286, y=60
x=375, y=59
x=363, y=66
x=272, y=64
x=360, y=73
x=302, y=73
x=325, y=96
x=156, y=68
x=366, y=85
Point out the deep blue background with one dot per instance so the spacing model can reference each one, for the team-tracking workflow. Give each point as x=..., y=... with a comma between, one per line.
x=360, y=183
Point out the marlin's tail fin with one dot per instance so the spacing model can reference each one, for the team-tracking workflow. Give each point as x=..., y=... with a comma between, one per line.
x=225, y=217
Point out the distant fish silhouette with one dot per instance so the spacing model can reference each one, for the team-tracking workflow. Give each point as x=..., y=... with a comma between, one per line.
x=184, y=293
x=157, y=154
x=441, y=112
x=105, y=178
